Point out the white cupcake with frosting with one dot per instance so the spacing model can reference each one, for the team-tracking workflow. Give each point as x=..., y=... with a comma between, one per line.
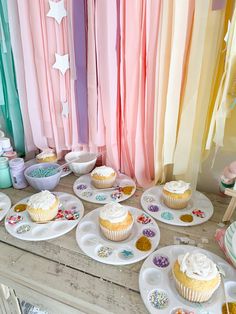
x=176, y=194
x=196, y=276
x=43, y=206
x=115, y=221
x=103, y=177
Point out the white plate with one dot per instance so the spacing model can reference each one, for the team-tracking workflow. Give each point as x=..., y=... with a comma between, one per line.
x=152, y=203
x=92, y=241
x=47, y=231
x=153, y=278
x=5, y=204
x=229, y=242
x=86, y=191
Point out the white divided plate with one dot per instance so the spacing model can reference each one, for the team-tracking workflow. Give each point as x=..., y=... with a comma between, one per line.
x=155, y=280
x=199, y=209
x=86, y=191
x=5, y=205
x=93, y=243
x=25, y=229
x=230, y=246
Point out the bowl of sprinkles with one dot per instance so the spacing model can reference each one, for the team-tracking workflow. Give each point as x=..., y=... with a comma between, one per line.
x=45, y=176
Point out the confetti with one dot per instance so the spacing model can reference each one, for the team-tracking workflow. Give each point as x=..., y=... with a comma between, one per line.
x=104, y=251
x=143, y=244
x=149, y=199
x=167, y=216
x=101, y=197
x=159, y=299
x=20, y=208
x=23, y=229
x=199, y=213
x=182, y=311
x=186, y=218
x=81, y=187
x=149, y=233
x=87, y=194
x=14, y=219
x=127, y=254
x=144, y=219
x=116, y=195
x=153, y=208
x=161, y=261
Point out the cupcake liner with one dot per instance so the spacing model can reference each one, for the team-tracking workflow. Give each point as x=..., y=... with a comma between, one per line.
x=174, y=202
x=103, y=184
x=117, y=235
x=194, y=295
x=40, y=216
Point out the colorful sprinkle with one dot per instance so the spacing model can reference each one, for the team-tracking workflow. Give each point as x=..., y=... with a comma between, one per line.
x=149, y=199
x=72, y=216
x=182, y=311
x=104, y=251
x=161, y=261
x=69, y=214
x=43, y=172
x=116, y=195
x=144, y=219
x=14, y=219
x=20, y=208
x=143, y=244
x=186, y=218
x=159, y=299
x=101, y=197
x=149, y=233
x=232, y=308
x=199, y=213
x=81, y=187
x=127, y=190
x=23, y=229
x=153, y=208
x=86, y=194
x=167, y=216
x=127, y=254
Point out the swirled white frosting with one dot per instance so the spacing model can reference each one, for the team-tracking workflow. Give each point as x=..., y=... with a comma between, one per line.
x=43, y=200
x=113, y=212
x=103, y=171
x=197, y=266
x=178, y=187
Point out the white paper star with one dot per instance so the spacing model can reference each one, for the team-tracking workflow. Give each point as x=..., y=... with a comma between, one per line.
x=65, y=109
x=57, y=10
x=62, y=63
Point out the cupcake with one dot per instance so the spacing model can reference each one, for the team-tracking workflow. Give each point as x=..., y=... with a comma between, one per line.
x=47, y=155
x=176, y=194
x=115, y=221
x=196, y=277
x=103, y=177
x=43, y=206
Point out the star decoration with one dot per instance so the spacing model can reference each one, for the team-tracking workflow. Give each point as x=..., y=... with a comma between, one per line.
x=57, y=10
x=62, y=63
x=65, y=109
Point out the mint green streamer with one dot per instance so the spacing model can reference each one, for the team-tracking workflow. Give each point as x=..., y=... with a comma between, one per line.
x=10, y=113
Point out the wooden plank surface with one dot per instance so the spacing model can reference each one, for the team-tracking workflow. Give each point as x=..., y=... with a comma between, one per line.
x=81, y=281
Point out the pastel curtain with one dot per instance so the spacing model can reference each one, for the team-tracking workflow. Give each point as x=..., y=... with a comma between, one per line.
x=10, y=112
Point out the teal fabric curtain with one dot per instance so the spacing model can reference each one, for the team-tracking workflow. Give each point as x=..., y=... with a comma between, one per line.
x=10, y=113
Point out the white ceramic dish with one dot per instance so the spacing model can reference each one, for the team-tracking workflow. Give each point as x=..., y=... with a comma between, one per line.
x=93, y=243
x=154, y=279
x=85, y=163
x=230, y=246
x=84, y=189
x=5, y=205
x=26, y=229
x=152, y=203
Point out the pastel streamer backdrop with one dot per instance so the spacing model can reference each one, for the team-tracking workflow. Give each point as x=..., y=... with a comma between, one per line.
x=136, y=81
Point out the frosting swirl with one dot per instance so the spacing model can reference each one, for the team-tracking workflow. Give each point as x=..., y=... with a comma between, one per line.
x=197, y=266
x=113, y=212
x=43, y=200
x=178, y=187
x=103, y=171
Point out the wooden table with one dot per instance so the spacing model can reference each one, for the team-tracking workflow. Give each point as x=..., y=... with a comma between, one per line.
x=58, y=277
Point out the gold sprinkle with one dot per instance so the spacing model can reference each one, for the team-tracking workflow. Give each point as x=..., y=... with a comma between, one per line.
x=143, y=244
x=20, y=208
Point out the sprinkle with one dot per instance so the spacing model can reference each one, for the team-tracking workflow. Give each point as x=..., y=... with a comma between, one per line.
x=127, y=254
x=186, y=218
x=104, y=251
x=23, y=229
x=116, y=195
x=43, y=172
x=148, y=199
x=199, y=213
x=101, y=197
x=144, y=219
x=86, y=194
x=159, y=299
x=153, y=208
x=81, y=187
x=149, y=233
x=20, y=208
x=183, y=311
x=143, y=244
x=161, y=261
x=127, y=190
x=14, y=219
x=167, y=216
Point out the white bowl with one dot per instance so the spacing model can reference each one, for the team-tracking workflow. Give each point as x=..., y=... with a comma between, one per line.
x=85, y=163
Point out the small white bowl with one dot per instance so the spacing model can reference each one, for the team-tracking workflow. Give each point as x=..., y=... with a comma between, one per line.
x=85, y=163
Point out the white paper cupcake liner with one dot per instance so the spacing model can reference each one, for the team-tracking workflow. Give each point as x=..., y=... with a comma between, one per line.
x=44, y=215
x=194, y=295
x=103, y=184
x=175, y=203
x=116, y=235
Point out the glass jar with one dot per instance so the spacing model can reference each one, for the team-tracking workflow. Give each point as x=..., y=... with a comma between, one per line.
x=5, y=177
x=17, y=168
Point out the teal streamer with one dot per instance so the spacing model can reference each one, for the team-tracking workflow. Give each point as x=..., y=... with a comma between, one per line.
x=10, y=112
